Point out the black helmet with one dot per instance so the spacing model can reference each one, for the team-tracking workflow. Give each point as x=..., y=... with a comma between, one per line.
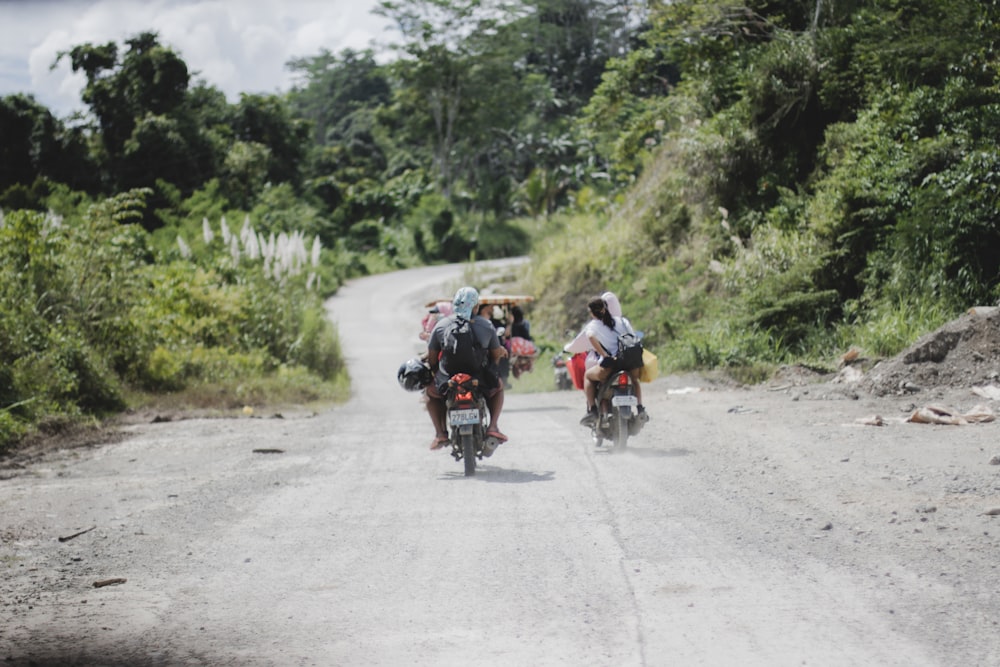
x=414, y=374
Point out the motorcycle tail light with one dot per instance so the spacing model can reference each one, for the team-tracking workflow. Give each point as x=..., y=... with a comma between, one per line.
x=623, y=380
x=464, y=397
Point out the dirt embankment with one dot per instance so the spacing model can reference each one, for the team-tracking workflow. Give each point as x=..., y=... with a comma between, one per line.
x=965, y=353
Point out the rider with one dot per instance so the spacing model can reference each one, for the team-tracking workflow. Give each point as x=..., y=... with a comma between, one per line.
x=463, y=306
x=519, y=326
x=488, y=311
x=602, y=332
x=615, y=308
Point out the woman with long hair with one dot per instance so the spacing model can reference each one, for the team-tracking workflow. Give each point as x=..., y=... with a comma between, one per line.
x=602, y=331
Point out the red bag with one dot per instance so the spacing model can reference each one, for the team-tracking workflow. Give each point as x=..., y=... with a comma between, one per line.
x=577, y=367
x=522, y=347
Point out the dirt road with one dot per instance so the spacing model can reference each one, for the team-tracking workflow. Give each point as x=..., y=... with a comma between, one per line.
x=763, y=527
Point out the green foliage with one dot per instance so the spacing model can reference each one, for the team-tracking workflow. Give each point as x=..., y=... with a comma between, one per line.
x=495, y=238
x=244, y=172
x=812, y=182
x=54, y=326
x=629, y=110
x=267, y=120
x=12, y=430
x=89, y=313
x=334, y=88
x=437, y=231
x=279, y=209
x=946, y=243
x=38, y=147
x=758, y=181
x=163, y=371
x=890, y=326
x=317, y=347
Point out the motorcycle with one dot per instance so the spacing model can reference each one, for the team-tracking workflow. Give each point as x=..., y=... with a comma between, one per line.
x=618, y=416
x=468, y=417
x=561, y=372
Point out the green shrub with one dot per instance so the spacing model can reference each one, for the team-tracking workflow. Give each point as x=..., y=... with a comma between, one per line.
x=163, y=371
x=66, y=376
x=89, y=313
x=218, y=365
x=318, y=348
x=12, y=430
x=500, y=239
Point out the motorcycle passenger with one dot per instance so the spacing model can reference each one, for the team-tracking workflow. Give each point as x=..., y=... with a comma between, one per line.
x=463, y=307
x=519, y=326
x=488, y=311
x=602, y=332
x=615, y=308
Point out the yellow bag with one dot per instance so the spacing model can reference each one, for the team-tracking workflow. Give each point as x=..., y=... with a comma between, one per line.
x=650, y=367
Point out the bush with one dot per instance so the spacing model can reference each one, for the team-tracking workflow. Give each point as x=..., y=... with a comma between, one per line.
x=89, y=313
x=12, y=430
x=500, y=239
x=163, y=371
x=318, y=348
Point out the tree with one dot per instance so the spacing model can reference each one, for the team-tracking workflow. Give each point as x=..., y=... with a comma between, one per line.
x=34, y=144
x=335, y=88
x=437, y=67
x=147, y=79
x=267, y=120
x=570, y=42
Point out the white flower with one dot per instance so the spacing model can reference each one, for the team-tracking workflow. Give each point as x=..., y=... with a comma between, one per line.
x=249, y=238
x=315, y=251
x=234, y=249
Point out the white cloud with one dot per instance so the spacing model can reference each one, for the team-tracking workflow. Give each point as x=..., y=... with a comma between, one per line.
x=238, y=46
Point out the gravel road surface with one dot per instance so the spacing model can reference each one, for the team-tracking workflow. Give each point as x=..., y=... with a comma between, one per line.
x=754, y=527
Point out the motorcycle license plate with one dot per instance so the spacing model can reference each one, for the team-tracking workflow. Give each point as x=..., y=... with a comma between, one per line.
x=619, y=401
x=462, y=417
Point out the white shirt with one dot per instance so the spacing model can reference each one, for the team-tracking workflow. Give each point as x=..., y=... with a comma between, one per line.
x=608, y=338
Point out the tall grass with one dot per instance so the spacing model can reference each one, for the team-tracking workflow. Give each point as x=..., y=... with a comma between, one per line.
x=892, y=326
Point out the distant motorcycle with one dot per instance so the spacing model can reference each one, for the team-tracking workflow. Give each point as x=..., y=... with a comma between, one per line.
x=618, y=416
x=468, y=418
x=561, y=372
x=522, y=356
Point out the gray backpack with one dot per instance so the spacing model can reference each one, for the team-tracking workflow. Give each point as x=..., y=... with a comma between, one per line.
x=460, y=348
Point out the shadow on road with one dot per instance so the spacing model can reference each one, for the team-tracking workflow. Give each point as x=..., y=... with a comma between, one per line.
x=502, y=475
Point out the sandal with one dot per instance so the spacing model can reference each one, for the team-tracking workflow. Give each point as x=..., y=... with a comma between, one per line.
x=495, y=433
x=439, y=442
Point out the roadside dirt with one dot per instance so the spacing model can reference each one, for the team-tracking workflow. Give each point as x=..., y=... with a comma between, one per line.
x=963, y=354
x=807, y=520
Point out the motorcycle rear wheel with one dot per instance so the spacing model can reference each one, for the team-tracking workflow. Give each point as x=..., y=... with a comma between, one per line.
x=621, y=430
x=469, y=454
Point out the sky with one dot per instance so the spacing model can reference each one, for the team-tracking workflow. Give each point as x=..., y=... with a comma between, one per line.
x=238, y=46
